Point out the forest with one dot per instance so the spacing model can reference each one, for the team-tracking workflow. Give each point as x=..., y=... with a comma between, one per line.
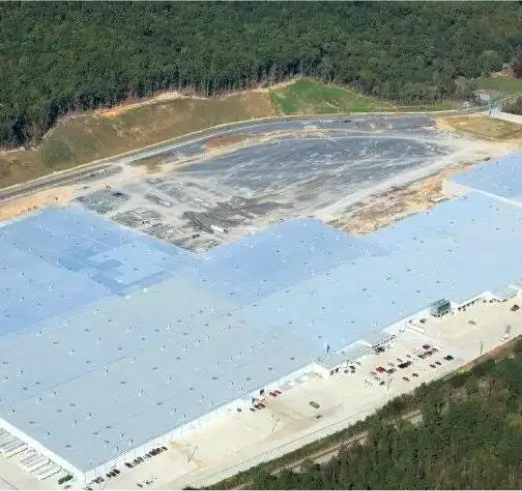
x=470, y=437
x=59, y=58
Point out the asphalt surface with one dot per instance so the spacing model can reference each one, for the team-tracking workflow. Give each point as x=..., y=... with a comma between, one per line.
x=189, y=145
x=223, y=184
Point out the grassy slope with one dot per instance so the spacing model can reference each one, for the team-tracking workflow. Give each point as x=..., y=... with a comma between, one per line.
x=82, y=139
x=309, y=97
x=506, y=86
x=482, y=127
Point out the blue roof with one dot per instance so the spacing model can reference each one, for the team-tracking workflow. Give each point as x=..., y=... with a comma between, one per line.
x=165, y=335
x=62, y=259
x=502, y=177
x=277, y=258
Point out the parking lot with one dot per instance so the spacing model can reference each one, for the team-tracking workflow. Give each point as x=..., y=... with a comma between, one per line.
x=310, y=408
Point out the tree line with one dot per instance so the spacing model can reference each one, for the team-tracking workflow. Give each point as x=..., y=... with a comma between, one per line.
x=63, y=57
x=513, y=107
x=470, y=438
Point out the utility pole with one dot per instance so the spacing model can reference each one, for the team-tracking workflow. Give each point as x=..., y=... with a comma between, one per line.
x=191, y=456
x=275, y=424
x=481, y=347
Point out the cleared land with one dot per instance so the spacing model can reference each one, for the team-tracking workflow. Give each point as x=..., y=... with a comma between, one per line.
x=482, y=127
x=222, y=186
x=101, y=134
x=244, y=178
x=397, y=203
x=81, y=139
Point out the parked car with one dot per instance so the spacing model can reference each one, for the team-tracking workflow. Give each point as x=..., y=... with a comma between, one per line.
x=406, y=379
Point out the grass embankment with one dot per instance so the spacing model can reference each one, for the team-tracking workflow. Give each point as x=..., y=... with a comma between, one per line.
x=88, y=137
x=503, y=85
x=309, y=97
x=101, y=134
x=482, y=127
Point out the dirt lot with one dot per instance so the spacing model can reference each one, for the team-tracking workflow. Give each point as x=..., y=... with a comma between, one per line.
x=397, y=203
x=482, y=127
x=221, y=141
x=54, y=197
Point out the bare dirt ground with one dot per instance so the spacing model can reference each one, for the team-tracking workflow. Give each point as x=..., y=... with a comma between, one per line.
x=53, y=197
x=483, y=127
x=396, y=204
x=174, y=95
x=225, y=140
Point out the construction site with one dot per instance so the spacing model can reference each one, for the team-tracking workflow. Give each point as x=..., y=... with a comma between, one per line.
x=172, y=320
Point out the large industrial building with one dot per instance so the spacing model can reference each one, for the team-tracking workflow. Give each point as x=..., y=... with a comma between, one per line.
x=112, y=343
